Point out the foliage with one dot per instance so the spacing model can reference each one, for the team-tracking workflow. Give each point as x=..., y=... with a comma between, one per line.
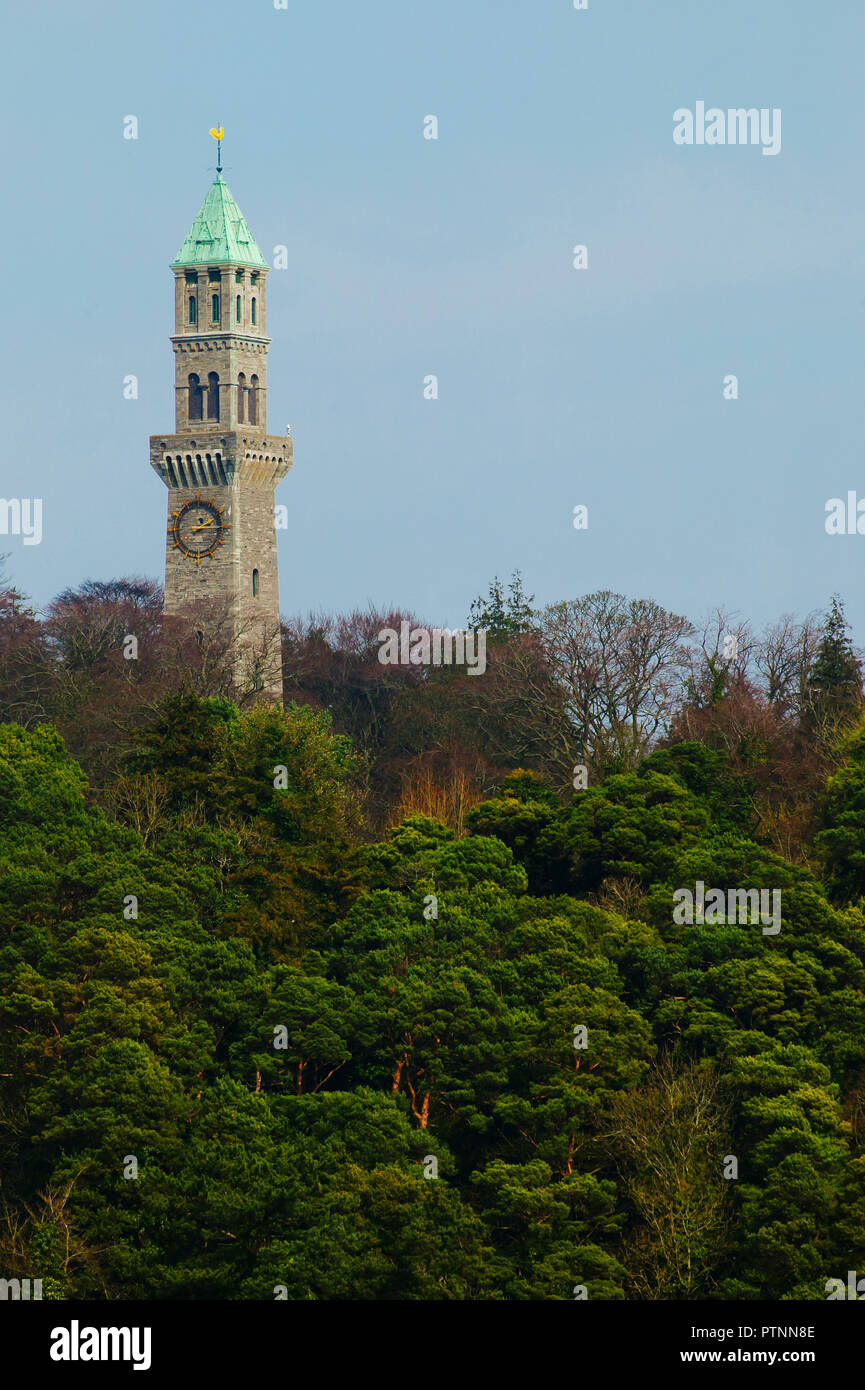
x=252, y=1045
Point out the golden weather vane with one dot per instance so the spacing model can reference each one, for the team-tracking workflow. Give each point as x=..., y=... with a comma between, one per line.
x=217, y=132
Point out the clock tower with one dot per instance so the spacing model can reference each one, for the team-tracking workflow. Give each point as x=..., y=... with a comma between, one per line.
x=221, y=465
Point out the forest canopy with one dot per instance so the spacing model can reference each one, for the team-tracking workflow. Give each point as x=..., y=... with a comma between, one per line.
x=374, y=996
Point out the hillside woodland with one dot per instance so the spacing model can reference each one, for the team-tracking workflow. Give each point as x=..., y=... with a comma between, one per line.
x=380, y=995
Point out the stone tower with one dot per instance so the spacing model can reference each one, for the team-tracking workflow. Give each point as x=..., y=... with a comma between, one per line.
x=221, y=466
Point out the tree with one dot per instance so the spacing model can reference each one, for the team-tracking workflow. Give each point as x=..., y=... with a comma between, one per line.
x=834, y=682
x=794, y=1169
x=25, y=663
x=518, y=713
x=720, y=661
x=671, y=1137
x=840, y=841
x=621, y=665
x=426, y=1066
x=783, y=657
x=266, y=795
x=630, y=826
x=501, y=615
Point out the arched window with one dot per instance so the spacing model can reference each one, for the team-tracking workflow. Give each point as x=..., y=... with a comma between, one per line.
x=214, y=308
x=192, y=308
x=213, y=395
x=253, y=309
x=241, y=397
x=195, y=397
x=237, y=309
x=255, y=583
x=253, y=400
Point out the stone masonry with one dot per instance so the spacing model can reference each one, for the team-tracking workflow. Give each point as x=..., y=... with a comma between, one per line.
x=221, y=452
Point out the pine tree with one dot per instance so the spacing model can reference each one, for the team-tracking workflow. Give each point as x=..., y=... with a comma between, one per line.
x=504, y=616
x=835, y=677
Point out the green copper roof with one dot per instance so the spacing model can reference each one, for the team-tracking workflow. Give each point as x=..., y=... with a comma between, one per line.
x=219, y=232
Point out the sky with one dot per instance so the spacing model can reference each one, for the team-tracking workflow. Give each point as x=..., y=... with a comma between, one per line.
x=410, y=257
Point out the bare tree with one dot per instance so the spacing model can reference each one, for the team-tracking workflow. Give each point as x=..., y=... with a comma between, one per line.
x=519, y=710
x=622, y=664
x=783, y=657
x=720, y=658
x=26, y=667
x=670, y=1139
x=141, y=802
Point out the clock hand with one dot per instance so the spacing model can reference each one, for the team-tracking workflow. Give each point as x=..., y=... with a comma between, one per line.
x=204, y=527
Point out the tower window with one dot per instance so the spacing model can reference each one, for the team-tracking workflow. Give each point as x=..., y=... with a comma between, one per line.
x=195, y=398
x=213, y=395
x=253, y=400
x=237, y=309
x=214, y=308
x=241, y=397
x=192, y=308
x=255, y=583
x=253, y=309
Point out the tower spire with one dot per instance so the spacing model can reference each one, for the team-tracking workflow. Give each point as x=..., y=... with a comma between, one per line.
x=217, y=132
x=220, y=466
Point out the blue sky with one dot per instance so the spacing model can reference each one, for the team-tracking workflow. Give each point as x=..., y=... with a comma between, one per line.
x=453, y=257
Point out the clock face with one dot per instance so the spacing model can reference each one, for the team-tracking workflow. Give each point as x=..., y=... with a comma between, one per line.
x=198, y=529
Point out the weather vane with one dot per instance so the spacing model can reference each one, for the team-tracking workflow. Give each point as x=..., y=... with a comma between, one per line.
x=217, y=132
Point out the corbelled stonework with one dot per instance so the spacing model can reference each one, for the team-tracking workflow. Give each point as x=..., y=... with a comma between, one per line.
x=221, y=466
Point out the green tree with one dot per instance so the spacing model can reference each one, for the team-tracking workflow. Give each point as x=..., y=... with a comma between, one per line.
x=840, y=842
x=504, y=614
x=834, y=680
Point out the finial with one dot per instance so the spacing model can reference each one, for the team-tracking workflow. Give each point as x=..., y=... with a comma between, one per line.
x=217, y=132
